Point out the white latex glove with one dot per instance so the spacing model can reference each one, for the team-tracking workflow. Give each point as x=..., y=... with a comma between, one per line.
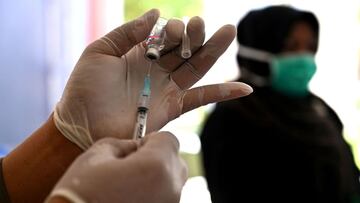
x=115, y=171
x=101, y=96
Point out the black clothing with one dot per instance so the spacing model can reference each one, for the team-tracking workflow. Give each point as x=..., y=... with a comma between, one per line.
x=270, y=148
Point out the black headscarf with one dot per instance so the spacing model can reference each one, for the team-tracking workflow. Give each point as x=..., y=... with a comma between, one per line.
x=266, y=29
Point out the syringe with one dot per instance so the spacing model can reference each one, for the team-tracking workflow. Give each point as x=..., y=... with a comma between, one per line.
x=142, y=110
x=155, y=43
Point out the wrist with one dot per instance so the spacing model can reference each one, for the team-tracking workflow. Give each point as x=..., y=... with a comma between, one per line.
x=75, y=129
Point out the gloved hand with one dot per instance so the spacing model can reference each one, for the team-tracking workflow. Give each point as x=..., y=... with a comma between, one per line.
x=100, y=98
x=115, y=171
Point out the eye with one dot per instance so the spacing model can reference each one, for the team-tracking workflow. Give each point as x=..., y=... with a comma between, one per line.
x=291, y=45
x=301, y=38
x=312, y=46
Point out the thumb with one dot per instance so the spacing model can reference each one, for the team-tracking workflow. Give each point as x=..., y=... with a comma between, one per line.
x=119, y=41
x=203, y=95
x=161, y=142
x=113, y=148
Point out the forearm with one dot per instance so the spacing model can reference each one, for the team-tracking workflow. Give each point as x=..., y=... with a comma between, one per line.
x=33, y=168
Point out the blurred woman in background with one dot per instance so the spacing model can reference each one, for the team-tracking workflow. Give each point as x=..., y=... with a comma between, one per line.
x=282, y=143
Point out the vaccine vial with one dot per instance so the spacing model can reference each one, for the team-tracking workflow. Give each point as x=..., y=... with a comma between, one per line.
x=155, y=41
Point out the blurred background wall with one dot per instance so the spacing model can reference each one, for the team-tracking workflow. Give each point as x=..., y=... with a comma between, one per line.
x=41, y=40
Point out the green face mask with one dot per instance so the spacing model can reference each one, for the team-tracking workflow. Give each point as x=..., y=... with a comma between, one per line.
x=290, y=74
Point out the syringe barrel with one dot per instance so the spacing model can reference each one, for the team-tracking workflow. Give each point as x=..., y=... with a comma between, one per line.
x=144, y=101
x=140, y=126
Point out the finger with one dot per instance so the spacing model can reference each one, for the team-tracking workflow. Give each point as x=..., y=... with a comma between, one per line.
x=123, y=38
x=162, y=142
x=200, y=96
x=125, y=147
x=196, y=32
x=174, y=29
x=113, y=147
x=184, y=171
x=195, y=68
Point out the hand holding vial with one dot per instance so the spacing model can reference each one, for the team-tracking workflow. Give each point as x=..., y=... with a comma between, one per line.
x=101, y=96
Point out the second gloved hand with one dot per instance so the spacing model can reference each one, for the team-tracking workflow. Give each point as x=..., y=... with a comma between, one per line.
x=116, y=171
